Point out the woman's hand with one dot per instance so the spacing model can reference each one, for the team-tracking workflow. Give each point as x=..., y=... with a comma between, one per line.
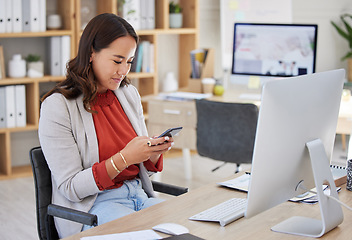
x=142, y=148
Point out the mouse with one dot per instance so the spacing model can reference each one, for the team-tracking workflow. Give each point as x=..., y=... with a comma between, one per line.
x=171, y=228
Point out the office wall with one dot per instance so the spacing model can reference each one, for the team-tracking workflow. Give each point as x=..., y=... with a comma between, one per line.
x=330, y=46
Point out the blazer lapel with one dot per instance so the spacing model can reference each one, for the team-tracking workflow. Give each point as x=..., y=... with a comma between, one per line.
x=89, y=129
x=131, y=114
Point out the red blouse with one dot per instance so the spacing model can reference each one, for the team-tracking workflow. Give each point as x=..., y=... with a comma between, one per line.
x=114, y=131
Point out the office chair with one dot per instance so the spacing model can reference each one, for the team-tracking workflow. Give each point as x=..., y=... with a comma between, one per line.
x=226, y=131
x=46, y=211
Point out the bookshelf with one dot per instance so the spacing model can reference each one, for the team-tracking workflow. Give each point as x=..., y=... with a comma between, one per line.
x=148, y=83
x=66, y=8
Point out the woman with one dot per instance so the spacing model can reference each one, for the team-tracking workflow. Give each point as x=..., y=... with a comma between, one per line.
x=92, y=130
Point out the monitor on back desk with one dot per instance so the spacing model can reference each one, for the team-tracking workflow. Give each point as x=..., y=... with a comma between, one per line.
x=294, y=112
x=268, y=50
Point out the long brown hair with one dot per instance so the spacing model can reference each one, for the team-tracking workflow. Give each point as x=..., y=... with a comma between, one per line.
x=100, y=32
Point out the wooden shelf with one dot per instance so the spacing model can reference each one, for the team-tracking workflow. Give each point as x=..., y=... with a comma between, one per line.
x=17, y=172
x=28, y=127
x=13, y=81
x=49, y=33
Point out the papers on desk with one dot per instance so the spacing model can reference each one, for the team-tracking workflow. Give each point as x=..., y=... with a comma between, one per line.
x=140, y=235
x=183, y=96
x=311, y=197
x=241, y=183
x=251, y=96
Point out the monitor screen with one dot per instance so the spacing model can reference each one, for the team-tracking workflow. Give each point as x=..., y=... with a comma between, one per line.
x=278, y=50
x=293, y=112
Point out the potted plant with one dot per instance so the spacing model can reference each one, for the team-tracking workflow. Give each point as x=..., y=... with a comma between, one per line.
x=346, y=34
x=175, y=15
x=35, y=66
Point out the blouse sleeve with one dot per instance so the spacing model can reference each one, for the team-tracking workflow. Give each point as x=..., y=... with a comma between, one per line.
x=158, y=167
x=101, y=176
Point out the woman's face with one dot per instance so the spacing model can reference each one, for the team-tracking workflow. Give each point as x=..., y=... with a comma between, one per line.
x=111, y=64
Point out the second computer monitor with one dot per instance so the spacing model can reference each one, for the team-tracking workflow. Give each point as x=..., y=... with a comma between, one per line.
x=278, y=50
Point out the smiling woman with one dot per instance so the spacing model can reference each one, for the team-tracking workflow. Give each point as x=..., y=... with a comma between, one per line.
x=92, y=130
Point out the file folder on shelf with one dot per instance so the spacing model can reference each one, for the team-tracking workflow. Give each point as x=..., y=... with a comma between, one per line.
x=143, y=13
x=150, y=14
x=65, y=52
x=20, y=101
x=26, y=16
x=3, y=123
x=10, y=106
x=132, y=13
x=55, y=58
x=42, y=15
x=2, y=16
x=17, y=15
x=34, y=15
x=8, y=15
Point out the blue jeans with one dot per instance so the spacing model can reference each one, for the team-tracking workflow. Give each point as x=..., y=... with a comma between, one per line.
x=115, y=203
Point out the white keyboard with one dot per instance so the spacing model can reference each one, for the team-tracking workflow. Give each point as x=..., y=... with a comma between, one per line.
x=224, y=213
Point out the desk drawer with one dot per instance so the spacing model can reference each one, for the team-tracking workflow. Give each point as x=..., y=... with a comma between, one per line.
x=174, y=114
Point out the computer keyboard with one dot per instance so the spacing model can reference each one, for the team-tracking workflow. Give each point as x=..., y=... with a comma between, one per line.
x=224, y=213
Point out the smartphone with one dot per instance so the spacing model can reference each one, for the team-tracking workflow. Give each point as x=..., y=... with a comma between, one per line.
x=171, y=132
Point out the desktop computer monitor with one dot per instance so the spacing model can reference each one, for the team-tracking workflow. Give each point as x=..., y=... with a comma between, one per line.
x=277, y=50
x=293, y=112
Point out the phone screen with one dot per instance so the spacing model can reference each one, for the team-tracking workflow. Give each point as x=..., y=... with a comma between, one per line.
x=171, y=132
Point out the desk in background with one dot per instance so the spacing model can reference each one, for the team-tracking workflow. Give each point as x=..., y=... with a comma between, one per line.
x=179, y=209
x=163, y=114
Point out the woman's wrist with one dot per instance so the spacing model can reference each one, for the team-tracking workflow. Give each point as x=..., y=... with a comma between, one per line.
x=155, y=158
x=123, y=159
x=117, y=164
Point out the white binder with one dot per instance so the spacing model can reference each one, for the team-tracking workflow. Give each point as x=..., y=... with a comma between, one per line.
x=151, y=58
x=34, y=15
x=10, y=106
x=8, y=16
x=55, y=56
x=2, y=108
x=42, y=15
x=17, y=15
x=2, y=16
x=65, y=52
x=143, y=13
x=26, y=16
x=146, y=56
x=20, y=101
x=150, y=14
x=132, y=12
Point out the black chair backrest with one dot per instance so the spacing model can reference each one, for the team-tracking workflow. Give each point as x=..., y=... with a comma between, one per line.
x=43, y=190
x=226, y=131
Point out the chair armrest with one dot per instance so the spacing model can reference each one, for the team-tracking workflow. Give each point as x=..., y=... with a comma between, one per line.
x=168, y=188
x=72, y=215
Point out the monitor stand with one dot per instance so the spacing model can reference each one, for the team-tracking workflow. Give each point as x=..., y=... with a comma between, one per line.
x=330, y=210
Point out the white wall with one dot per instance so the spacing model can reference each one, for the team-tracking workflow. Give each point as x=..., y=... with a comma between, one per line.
x=330, y=46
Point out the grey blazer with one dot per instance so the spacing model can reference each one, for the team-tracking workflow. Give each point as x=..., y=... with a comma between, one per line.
x=69, y=143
